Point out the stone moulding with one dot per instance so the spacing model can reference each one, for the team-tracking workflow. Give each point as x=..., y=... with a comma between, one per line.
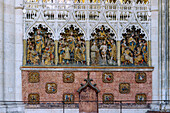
x=85, y=68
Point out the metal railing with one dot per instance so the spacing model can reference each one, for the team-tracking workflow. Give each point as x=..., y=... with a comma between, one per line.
x=120, y=105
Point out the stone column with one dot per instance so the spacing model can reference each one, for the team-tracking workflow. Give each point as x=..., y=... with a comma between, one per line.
x=56, y=52
x=88, y=52
x=155, y=51
x=2, y=107
x=118, y=53
x=169, y=48
x=164, y=53
x=1, y=49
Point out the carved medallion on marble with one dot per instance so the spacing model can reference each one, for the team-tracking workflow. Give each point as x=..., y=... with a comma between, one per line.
x=68, y=98
x=140, y=77
x=107, y=77
x=108, y=98
x=140, y=98
x=124, y=88
x=33, y=77
x=51, y=88
x=68, y=77
x=33, y=98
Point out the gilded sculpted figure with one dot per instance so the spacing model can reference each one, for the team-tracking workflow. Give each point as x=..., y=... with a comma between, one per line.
x=71, y=50
x=103, y=49
x=40, y=48
x=67, y=54
x=77, y=54
x=112, y=51
x=94, y=54
x=83, y=53
x=133, y=48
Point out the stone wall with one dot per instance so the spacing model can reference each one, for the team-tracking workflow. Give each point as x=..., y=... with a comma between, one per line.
x=62, y=88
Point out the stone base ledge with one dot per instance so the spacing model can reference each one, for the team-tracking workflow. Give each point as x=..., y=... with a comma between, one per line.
x=84, y=68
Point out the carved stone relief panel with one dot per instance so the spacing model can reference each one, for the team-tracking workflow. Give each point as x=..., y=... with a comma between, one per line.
x=33, y=77
x=40, y=47
x=140, y=98
x=68, y=77
x=108, y=98
x=51, y=88
x=72, y=48
x=103, y=47
x=140, y=77
x=124, y=88
x=33, y=98
x=68, y=98
x=107, y=77
x=134, y=48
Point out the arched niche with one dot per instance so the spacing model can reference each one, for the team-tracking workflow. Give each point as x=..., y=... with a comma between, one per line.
x=134, y=49
x=71, y=47
x=40, y=48
x=103, y=47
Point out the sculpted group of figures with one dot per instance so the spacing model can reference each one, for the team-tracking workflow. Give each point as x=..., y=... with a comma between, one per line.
x=134, y=51
x=103, y=52
x=72, y=50
x=40, y=48
x=103, y=47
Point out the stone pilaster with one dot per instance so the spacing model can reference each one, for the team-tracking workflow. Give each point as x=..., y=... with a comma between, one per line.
x=118, y=53
x=169, y=48
x=88, y=52
x=9, y=50
x=56, y=52
x=164, y=53
x=155, y=51
x=1, y=49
